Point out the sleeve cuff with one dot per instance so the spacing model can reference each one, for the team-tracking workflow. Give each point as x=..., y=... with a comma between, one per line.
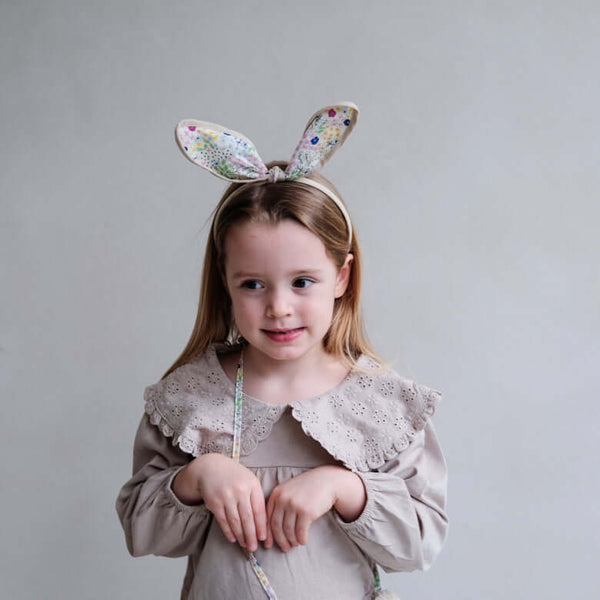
x=367, y=513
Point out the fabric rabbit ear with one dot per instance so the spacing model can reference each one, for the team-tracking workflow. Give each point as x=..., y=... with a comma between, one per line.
x=225, y=153
x=326, y=131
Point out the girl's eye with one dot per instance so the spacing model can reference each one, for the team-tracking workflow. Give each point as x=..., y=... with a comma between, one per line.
x=252, y=284
x=302, y=282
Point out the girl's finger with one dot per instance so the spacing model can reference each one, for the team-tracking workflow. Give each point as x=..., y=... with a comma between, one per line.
x=302, y=524
x=257, y=501
x=289, y=528
x=224, y=525
x=276, y=522
x=233, y=519
x=247, y=520
x=269, y=538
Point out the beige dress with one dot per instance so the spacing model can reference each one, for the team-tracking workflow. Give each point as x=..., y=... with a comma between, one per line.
x=376, y=424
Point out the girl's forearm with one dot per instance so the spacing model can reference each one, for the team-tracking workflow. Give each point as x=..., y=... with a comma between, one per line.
x=350, y=494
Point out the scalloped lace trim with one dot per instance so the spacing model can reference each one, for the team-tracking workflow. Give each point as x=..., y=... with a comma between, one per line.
x=372, y=419
x=194, y=406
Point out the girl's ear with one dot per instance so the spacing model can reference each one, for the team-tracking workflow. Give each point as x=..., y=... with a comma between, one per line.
x=343, y=276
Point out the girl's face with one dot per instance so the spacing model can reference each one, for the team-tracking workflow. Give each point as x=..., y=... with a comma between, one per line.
x=282, y=286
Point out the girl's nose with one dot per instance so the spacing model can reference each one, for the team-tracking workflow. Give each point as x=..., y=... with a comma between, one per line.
x=278, y=304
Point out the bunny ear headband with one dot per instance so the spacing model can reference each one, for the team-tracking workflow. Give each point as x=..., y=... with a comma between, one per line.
x=233, y=157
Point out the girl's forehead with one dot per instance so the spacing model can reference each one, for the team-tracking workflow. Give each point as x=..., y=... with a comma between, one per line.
x=279, y=244
x=284, y=233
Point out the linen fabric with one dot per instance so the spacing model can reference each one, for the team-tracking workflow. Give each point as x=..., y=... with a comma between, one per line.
x=401, y=528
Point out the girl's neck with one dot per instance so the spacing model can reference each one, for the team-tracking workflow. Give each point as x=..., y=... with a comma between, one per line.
x=264, y=366
x=283, y=382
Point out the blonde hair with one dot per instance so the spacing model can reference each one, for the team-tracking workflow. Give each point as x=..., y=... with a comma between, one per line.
x=267, y=202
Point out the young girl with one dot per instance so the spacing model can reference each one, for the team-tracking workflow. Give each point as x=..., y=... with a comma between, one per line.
x=277, y=453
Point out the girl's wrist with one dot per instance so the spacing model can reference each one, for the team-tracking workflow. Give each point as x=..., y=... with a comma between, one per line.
x=350, y=495
x=185, y=484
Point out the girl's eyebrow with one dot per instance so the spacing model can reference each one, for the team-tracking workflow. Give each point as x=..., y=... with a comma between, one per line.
x=313, y=271
x=245, y=275
x=294, y=273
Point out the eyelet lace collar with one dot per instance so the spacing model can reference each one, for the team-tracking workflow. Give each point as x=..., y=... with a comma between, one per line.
x=367, y=419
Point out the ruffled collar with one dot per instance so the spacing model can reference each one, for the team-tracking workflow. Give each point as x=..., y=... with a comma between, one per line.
x=370, y=417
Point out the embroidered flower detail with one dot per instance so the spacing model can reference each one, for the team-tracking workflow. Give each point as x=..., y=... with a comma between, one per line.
x=213, y=447
x=193, y=383
x=310, y=416
x=336, y=401
x=332, y=112
x=262, y=426
x=273, y=412
x=372, y=451
x=217, y=400
x=408, y=395
x=401, y=424
x=332, y=427
x=358, y=408
x=347, y=122
x=365, y=381
x=173, y=387
x=387, y=388
x=314, y=140
x=380, y=416
x=218, y=425
x=351, y=436
x=212, y=377
x=185, y=444
x=176, y=411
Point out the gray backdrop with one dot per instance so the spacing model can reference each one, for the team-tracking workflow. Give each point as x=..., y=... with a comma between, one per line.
x=472, y=178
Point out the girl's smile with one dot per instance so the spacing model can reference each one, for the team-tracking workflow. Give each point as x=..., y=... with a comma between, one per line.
x=283, y=287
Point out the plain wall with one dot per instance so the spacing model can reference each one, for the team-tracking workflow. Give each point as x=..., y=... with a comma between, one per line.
x=472, y=178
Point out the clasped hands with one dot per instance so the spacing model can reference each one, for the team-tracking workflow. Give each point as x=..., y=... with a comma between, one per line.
x=234, y=496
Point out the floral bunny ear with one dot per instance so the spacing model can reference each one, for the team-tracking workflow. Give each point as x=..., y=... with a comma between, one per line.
x=225, y=153
x=232, y=156
x=326, y=131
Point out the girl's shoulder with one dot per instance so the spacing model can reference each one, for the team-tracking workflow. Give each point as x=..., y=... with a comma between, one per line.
x=370, y=418
x=194, y=406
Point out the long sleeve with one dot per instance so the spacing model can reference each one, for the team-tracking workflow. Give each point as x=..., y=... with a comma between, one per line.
x=155, y=521
x=404, y=523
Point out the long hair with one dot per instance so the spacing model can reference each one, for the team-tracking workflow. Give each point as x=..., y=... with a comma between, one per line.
x=270, y=202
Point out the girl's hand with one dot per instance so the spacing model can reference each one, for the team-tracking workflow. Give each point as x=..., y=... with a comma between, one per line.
x=295, y=504
x=230, y=491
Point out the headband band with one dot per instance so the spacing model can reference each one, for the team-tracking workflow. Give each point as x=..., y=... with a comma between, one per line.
x=233, y=157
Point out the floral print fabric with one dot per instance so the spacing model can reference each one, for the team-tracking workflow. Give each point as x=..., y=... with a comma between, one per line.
x=327, y=129
x=233, y=157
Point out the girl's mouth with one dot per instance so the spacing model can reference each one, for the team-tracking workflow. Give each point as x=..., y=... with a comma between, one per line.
x=283, y=335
